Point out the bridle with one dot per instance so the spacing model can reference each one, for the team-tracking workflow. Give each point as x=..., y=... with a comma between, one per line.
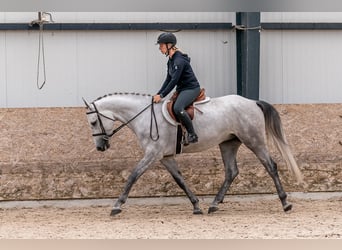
x=108, y=136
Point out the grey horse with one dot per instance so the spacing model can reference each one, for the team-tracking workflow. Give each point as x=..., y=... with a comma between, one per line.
x=227, y=121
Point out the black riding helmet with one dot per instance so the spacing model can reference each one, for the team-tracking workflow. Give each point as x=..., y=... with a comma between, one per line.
x=167, y=37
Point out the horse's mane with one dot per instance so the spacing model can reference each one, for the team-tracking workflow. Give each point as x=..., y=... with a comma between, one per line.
x=120, y=93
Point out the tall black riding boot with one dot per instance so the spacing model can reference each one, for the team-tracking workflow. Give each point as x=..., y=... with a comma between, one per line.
x=187, y=123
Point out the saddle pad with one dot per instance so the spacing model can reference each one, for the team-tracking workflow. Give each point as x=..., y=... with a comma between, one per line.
x=169, y=118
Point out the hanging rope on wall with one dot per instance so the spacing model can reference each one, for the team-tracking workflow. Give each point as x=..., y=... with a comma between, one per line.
x=41, y=49
x=43, y=17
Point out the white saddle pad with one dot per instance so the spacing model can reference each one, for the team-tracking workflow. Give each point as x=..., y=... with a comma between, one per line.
x=169, y=118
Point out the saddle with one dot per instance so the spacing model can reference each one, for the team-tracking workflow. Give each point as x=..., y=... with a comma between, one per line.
x=167, y=110
x=190, y=109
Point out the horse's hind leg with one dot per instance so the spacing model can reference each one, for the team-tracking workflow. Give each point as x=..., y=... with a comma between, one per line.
x=228, y=151
x=271, y=167
x=171, y=165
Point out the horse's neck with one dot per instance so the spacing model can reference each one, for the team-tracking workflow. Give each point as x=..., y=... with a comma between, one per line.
x=124, y=107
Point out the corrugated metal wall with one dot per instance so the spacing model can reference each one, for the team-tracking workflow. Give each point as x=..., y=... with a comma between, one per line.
x=301, y=66
x=121, y=17
x=295, y=66
x=93, y=63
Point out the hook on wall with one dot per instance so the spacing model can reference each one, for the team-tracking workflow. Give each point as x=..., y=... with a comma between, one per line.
x=43, y=17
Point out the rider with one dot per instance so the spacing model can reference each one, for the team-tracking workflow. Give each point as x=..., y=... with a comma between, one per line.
x=180, y=74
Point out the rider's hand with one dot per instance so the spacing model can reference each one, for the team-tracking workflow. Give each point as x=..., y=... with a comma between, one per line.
x=156, y=98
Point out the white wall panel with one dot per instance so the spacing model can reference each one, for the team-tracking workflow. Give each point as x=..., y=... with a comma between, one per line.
x=271, y=67
x=22, y=57
x=3, y=90
x=301, y=17
x=19, y=17
x=295, y=66
x=111, y=62
x=132, y=62
x=3, y=82
x=149, y=17
x=301, y=66
x=21, y=61
x=213, y=59
x=2, y=17
x=121, y=17
x=61, y=68
x=91, y=64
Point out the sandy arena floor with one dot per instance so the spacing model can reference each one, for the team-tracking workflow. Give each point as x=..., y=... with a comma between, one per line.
x=314, y=215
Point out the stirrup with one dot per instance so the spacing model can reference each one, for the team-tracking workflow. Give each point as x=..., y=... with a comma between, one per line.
x=185, y=141
x=192, y=138
x=188, y=138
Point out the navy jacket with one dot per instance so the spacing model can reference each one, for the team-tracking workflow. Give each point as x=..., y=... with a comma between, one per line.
x=179, y=73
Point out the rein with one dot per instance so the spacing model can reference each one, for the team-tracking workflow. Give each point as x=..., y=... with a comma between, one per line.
x=107, y=136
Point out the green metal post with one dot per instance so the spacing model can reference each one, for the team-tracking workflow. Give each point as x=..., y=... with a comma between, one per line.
x=248, y=53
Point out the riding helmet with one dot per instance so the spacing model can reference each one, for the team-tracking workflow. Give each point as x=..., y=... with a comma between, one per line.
x=167, y=37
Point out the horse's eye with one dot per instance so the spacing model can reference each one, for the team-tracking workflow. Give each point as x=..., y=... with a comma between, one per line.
x=93, y=123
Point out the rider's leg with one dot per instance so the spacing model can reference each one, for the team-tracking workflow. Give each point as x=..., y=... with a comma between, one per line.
x=184, y=99
x=187, y=123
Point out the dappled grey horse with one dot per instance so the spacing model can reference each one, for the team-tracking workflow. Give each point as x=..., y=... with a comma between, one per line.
x=226, y=121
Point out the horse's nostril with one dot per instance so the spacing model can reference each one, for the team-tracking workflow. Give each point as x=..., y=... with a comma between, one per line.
x=100, y=148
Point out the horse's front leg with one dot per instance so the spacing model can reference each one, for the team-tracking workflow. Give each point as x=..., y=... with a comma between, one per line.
x=134, y=176
x=171, y=165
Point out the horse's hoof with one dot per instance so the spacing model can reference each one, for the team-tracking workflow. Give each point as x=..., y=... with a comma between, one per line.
x=287, y=207
x=115, y=211
x=212, y=210
x=198, y=211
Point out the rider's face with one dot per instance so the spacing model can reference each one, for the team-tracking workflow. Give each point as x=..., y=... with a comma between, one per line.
x=163, y=48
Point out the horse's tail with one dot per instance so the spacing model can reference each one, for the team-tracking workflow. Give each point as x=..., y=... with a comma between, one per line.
x=275, y=130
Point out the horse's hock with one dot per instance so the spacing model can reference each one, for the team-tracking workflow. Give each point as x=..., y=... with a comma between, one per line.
x=48, y=153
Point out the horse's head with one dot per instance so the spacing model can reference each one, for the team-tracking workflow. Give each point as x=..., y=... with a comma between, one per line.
x=101, y=123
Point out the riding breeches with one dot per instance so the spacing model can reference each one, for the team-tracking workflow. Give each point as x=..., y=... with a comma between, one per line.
x=184, y=99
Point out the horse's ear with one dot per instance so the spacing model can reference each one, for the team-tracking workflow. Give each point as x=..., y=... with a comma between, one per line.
x=86, y=103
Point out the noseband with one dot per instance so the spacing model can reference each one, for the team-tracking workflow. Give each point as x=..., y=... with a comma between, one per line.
x=108, y=136
x=103, y=131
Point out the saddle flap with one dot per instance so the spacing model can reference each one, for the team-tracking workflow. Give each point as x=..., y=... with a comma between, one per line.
x=190, y=109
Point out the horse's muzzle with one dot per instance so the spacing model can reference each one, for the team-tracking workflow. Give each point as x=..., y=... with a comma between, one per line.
x=103, y=147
